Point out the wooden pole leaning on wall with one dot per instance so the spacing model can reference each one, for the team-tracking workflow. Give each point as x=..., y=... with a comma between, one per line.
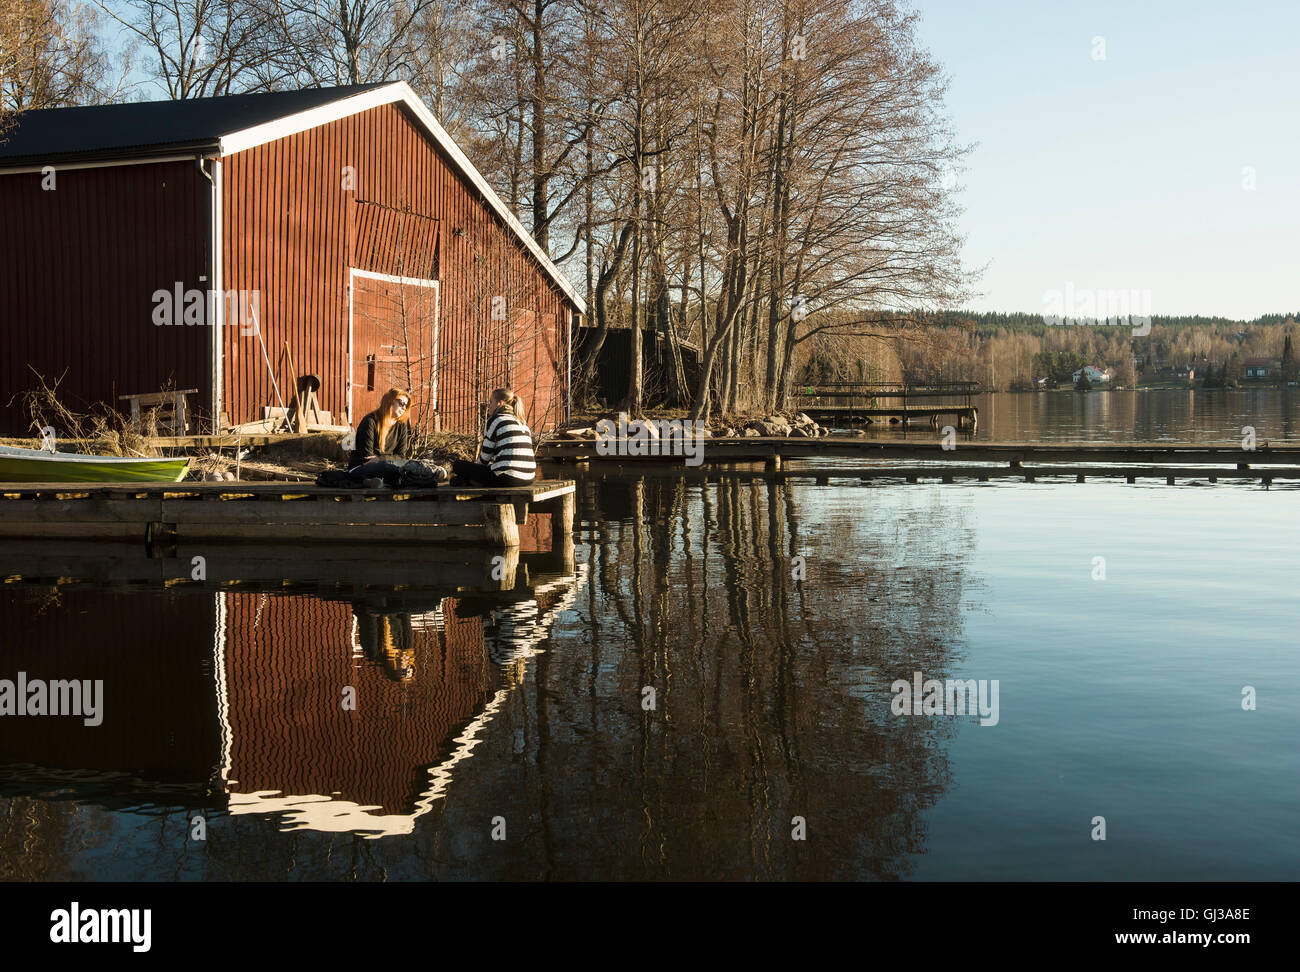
x=300, y=419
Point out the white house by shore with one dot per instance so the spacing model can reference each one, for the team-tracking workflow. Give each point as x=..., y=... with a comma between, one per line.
x=1095, y=375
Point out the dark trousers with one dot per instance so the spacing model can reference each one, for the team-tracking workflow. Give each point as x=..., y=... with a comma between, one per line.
x=389, y=470
x=477, y=474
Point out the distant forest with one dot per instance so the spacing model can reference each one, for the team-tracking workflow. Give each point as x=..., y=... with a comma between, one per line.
x=1008, y=351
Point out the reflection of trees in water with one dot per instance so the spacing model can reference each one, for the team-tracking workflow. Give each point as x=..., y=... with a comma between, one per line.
x=772, y=701
x=34, y=837
x=772, y=696
x=1191, y=414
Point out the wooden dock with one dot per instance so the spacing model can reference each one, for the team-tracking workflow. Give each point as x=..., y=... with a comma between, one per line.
x=917, y=461
x=966, y=416
x=167, y=514
x=898, y=401
x=970, y=472
x=773, y=450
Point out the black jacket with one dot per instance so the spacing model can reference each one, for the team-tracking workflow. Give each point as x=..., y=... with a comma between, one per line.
x=368, y=444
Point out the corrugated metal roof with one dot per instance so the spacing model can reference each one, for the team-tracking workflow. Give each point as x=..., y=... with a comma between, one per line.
x=144, y=127
x=232, y=124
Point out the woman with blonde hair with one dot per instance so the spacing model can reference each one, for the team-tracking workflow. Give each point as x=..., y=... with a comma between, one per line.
x=385, y=434
x=506, y=457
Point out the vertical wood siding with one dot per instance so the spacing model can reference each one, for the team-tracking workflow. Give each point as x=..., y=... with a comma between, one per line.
x=291, y=230
x=79, y=265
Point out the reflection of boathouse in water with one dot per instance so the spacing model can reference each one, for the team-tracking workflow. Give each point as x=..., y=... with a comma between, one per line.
x=243, y=692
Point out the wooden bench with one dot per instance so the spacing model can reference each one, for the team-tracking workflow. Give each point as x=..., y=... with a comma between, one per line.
x=173, y=414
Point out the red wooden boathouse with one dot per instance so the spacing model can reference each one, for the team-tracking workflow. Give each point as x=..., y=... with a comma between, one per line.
x=199, y=244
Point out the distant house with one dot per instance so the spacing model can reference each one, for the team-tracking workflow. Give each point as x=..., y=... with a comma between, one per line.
x=1095, y=375
x=1260, y=368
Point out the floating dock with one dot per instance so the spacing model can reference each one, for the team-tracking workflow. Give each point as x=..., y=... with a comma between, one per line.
x=916, y=461
x=970, y=472
x=966, y=416
x=166, y=514
x=897, y=401
x=772, y=449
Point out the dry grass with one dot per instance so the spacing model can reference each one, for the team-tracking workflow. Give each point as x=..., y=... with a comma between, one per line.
x=103, y=431
x=439, y=447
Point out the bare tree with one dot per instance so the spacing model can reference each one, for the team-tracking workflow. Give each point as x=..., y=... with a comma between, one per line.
x=198, y=48
x=327, y=42
x=51, y=56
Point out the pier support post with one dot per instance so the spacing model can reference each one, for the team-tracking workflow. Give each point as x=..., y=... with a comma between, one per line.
x=562, y=520
x=772, y=463
x=562, y=547
x=501, y=526
x=160, y=540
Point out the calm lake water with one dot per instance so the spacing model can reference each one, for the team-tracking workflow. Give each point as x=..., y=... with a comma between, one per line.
x=1130, y=416
x=665, y=699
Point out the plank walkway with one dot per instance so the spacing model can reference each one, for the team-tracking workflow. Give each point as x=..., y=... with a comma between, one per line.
x=967, y=416
x=773, y=450
x=822, y=475
x=284, y=512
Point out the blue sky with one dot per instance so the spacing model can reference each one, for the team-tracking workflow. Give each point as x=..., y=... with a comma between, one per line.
x=1127, y=173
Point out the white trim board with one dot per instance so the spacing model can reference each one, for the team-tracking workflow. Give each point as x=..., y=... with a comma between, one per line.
x=401, y=92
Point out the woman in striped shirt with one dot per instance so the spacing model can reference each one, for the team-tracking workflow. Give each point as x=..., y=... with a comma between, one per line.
x=506, y=457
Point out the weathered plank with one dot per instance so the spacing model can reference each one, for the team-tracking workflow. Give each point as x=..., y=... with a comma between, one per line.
x=169, y=514
x=763, y=448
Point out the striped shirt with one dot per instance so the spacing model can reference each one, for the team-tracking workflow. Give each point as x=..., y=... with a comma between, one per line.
x=508, y=447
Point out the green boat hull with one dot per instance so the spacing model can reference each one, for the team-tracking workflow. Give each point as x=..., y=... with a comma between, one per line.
x=90, y=469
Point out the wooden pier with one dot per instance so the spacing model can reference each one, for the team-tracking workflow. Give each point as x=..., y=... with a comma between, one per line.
x=900, y=401
x=167, y=514
x=765, y=448
x=968, y=473
x=915, y=461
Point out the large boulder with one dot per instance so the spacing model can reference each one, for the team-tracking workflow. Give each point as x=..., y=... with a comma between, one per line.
x=801, y=419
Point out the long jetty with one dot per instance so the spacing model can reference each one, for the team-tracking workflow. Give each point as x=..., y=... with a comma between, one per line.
x=915, y=461
x=847, y=401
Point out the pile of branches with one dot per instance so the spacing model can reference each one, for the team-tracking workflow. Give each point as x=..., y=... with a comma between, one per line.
x=102, y=431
